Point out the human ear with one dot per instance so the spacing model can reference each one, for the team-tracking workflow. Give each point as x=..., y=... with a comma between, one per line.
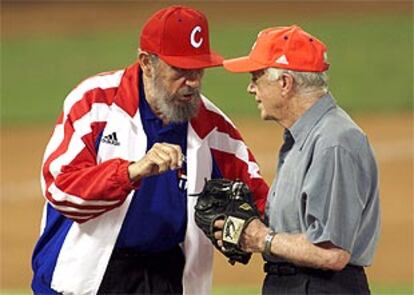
x=286, y=84
x=145, y=63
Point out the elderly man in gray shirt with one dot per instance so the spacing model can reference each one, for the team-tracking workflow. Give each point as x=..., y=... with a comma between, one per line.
x=322, y=212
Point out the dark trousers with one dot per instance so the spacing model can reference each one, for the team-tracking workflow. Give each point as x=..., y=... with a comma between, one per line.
x=285, y=278
x=130, y=272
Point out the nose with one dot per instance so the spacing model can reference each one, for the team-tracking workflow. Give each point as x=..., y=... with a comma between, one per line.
x=251, y=89
x=193, y=79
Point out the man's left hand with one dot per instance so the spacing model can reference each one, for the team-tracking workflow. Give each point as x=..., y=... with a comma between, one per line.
x=252, y=238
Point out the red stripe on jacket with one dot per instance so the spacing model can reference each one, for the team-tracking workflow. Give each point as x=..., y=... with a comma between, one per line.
x=82, y=177
x=230, y=166
x=86, y=181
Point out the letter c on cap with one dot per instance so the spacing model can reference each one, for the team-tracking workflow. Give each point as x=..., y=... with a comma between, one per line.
x=194, y=43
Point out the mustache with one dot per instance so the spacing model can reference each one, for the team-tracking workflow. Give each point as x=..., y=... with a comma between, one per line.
x=189, y=91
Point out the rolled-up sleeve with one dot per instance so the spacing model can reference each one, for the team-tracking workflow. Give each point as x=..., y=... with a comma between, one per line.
x=331, y=198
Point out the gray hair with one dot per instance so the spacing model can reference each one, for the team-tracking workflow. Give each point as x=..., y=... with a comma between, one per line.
x=153, y=57
x=304, y=81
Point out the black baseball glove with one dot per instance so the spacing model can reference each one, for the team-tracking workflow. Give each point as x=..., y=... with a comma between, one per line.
x=231, y=201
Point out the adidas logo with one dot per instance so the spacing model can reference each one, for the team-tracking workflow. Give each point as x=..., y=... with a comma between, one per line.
x=111, y=139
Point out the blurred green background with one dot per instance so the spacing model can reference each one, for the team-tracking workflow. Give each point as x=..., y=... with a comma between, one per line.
x=48, y=47
x=371, y=62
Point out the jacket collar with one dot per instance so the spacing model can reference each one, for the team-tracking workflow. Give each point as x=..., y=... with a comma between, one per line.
x=127, y=97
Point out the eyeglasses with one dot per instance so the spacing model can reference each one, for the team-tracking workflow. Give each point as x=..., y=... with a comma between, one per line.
x=256, y=75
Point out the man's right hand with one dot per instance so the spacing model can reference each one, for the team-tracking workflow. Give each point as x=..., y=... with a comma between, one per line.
x=160, y=158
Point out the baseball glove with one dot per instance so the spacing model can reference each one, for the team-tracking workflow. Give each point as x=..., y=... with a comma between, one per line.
x=231, y=201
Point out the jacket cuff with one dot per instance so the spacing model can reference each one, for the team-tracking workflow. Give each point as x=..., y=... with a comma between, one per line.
x=123, y=172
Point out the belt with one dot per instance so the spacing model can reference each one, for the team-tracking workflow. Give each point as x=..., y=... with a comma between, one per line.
x=280, y=268
x=286, y=269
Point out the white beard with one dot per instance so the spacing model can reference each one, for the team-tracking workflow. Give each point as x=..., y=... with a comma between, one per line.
x=167, y=105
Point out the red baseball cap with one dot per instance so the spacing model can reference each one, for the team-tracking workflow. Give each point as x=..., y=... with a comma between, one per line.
x=179, y=36
x=288, y=48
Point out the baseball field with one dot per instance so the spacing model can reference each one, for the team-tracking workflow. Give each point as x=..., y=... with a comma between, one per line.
x=49, y=47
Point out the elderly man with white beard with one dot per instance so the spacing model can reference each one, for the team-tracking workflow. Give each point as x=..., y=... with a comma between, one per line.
x=128, y=149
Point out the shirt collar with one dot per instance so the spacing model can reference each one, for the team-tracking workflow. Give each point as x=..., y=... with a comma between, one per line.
x=303, y=126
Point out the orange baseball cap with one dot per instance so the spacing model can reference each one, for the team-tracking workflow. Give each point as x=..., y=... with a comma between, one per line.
x=288, y=48
x=179, y=36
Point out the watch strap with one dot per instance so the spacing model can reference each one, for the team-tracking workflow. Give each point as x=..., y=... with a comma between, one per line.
x=268, y=243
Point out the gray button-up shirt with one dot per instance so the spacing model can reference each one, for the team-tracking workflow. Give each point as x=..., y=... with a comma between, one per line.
x=327, y=183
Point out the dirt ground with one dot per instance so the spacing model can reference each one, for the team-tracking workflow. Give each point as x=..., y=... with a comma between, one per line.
x=22, y=147
x=391, y=137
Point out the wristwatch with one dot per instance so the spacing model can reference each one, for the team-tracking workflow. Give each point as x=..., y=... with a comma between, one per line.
x=268, y=243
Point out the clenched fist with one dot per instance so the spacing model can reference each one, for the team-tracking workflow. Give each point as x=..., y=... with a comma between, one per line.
x=160, y=158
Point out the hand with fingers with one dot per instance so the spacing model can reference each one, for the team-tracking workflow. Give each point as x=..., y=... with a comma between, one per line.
x=252, y=238
x=223, y=210
x=159, y=159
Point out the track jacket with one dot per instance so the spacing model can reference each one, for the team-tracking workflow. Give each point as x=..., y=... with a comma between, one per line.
x=88, y=190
